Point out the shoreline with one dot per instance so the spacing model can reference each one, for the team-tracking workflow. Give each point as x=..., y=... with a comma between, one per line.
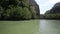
x=49, y=19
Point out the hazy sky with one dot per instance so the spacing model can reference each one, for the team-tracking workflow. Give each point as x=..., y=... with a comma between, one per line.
x=46, y=5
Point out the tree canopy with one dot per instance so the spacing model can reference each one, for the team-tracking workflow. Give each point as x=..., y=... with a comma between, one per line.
x=16, y=10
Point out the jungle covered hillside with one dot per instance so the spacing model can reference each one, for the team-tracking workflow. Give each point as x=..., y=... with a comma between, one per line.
x=18, y=9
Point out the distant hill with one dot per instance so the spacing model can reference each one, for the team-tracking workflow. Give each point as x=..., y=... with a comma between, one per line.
x=56, y=8
x=53, y=13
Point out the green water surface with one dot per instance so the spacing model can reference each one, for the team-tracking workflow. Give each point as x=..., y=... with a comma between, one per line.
x=19, y=27
x=49, y=26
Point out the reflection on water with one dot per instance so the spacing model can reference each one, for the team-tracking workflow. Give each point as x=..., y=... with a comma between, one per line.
x=30, y=27
x=49, y=26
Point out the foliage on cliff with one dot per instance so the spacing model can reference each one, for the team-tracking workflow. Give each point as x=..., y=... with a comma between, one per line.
x=53, y=13
x=16, y=10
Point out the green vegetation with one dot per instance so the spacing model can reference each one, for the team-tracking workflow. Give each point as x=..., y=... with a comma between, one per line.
x=19, y=27
x=53, y=13
x=52, y=16
x=16, y=10
x=49, y=15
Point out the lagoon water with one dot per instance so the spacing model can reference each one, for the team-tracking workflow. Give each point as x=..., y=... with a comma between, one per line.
x=49, y=26
x=20, y=27
x=30, y=27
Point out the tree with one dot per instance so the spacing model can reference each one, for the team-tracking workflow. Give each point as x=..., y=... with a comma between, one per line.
x=26, y=13
x=16, y=10
x=33, y=12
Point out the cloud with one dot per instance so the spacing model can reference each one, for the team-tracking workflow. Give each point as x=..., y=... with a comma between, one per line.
x=46, y=4
x=53, y=1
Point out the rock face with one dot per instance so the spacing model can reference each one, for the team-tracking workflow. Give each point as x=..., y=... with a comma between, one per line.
x=33, y=2
x=19, y=9
x=56, y=8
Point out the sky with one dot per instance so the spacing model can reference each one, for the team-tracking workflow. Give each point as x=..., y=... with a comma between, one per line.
x=45, y=5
